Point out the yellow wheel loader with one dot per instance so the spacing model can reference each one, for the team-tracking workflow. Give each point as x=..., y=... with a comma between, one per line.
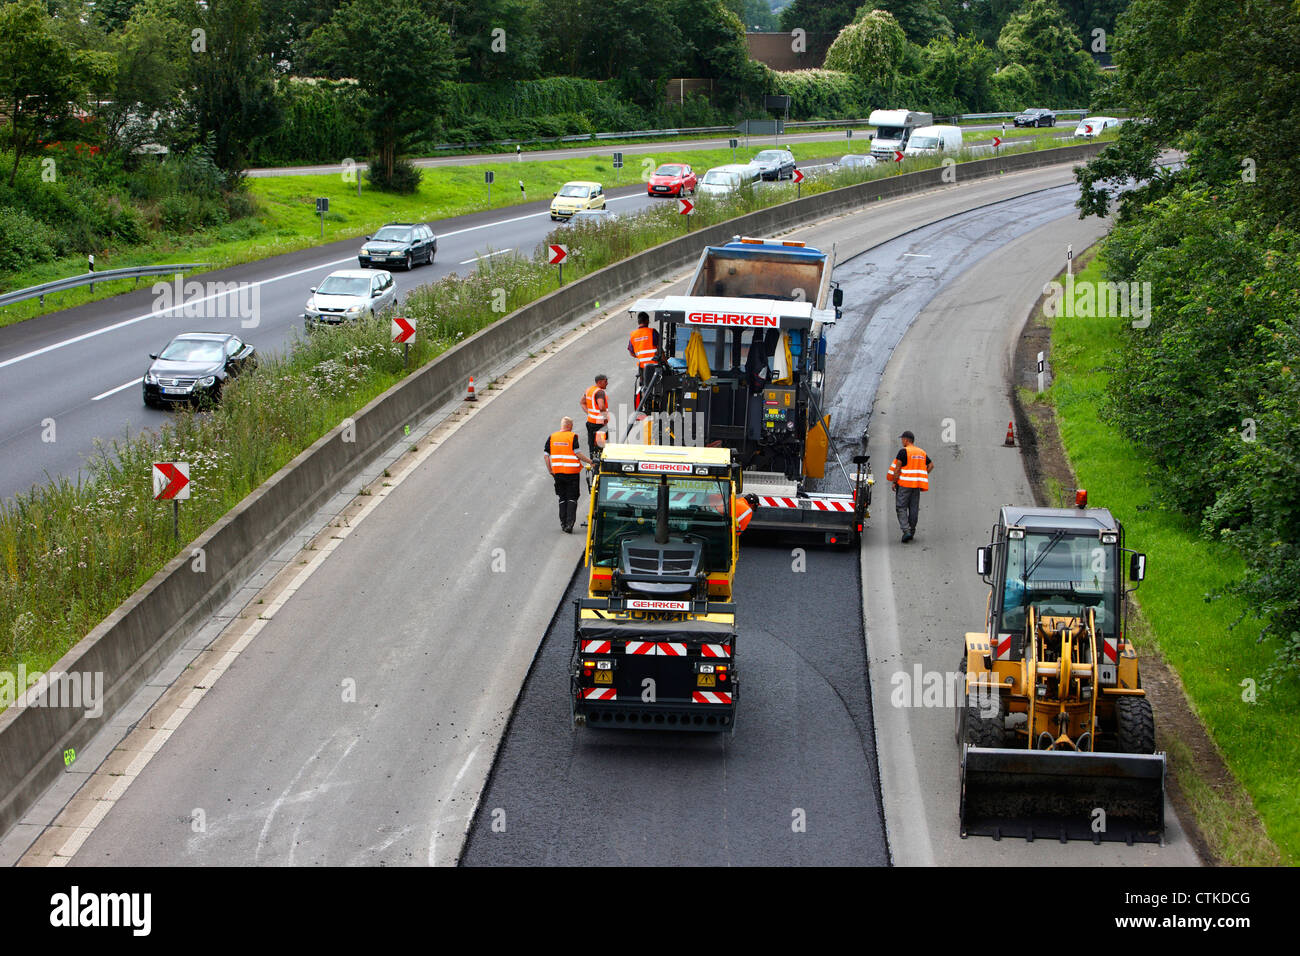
x=1056, y=734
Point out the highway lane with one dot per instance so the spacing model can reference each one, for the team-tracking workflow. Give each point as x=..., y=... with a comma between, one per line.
x=948, y=381
x=437, y=642
x=80, y=368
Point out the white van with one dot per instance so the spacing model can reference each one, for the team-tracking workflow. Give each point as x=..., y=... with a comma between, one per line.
x=893, y=129
x=721, y=180
x=1091, y=126
x=932, y=140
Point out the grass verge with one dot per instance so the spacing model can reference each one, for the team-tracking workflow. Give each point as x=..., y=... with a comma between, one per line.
x=1210, y=642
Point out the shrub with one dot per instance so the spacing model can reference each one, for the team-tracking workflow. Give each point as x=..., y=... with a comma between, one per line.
x=405, y=178
x=23, y=239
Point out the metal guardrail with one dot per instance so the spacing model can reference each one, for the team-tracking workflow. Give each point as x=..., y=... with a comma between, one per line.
x=90, y=278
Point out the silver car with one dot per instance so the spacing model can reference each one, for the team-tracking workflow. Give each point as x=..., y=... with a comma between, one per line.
x=350, y=295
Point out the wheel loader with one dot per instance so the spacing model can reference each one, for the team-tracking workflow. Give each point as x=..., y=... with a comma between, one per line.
x=1056, y=734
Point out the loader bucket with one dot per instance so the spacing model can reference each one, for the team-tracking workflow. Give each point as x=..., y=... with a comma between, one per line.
x=1057, y=794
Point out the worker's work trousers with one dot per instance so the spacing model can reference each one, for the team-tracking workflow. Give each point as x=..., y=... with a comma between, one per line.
x=567, y=489
x=907, y=502
x=592, y=429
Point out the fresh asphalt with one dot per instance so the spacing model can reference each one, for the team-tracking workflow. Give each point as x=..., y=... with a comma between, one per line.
x=411, y=609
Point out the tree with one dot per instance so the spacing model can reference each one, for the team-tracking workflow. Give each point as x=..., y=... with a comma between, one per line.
x=495, y=39
x=400, y=54
x=872, y=48
x=819, y=16
x=150, y=56
x=715, y=38
x=960, y=70
x=41, y=78
x=921, y=20
x=981, y=19
x=1040, y=38
x=286, y=26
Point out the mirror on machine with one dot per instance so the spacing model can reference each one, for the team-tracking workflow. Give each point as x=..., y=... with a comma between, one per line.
x=837, y=297
x=982, y=560
x=1137, y=566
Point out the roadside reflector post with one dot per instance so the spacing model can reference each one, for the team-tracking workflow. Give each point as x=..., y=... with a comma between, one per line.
x=90, y=259
x=322, y=207
x=488, y=176
x=1042, y=368
x=1069, y=259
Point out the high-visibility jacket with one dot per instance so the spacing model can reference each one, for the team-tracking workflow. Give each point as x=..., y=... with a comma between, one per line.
x=743, y=512
x=564, y=460
x=595, y=414
x=642, y=343
x=914, y=473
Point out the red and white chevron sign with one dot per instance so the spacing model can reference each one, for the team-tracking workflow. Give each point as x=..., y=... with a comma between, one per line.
x=898, y=157
x=798, y=177
x=685, y=206
x=171, y=481
x=403, y=330
x=997, y=141
x=558, y=254
x=710, y=697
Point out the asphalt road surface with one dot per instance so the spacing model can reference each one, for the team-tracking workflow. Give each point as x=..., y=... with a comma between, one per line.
x=435, y=608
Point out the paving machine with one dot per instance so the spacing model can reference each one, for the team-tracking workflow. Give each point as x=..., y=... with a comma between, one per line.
x=741, y=365
x=1056, y=734
x=655, y=637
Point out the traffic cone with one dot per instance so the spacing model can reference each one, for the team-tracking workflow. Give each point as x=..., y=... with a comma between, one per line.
x=471, y=397
x=1011, y=431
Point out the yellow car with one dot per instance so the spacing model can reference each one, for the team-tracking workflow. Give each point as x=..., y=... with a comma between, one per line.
x=577, y=195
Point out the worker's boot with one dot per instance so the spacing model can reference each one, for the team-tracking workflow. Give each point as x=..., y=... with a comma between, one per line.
x=571, y=515
x=564, y=515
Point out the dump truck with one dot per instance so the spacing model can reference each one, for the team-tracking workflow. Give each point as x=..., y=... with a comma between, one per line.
x=655, y=637
x=1056, y=734
x=742, y=365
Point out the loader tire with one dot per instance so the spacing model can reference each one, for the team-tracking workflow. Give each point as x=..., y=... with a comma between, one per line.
x=1135, y=726
x=973, y=727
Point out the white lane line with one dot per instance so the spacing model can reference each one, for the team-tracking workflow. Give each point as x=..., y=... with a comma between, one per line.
x=917, y=255
x=114, y=391
x=261, y=282
x=486, y=255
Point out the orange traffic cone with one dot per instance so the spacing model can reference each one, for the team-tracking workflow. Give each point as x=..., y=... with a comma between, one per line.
x=1011, y=431
x=471, y=397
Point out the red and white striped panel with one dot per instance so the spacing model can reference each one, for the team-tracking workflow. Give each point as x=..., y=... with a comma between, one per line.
x=595, y=647
x=640, y=647
x=1110, y=650
x=672, y=650
x=1004, y=647
x=765, y=501
x=599, y=693
x=715, y=650
x=830, y=504
x=711, y=697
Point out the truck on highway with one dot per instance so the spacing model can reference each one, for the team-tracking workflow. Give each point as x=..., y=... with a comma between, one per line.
x=742, y=365
x=655, y=638
x=894, y=129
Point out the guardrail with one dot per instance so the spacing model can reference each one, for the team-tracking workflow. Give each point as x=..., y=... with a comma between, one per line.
x=138, y=637
x=90, y=278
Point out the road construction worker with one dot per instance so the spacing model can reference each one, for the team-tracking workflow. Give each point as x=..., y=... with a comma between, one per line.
x=909, y=472
x=742, y=510
x=595, y=404
x=643, y=345
x=564, y=463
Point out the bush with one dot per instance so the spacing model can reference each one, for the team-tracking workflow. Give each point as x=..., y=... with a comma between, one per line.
x=23, y=239
x=405, y=179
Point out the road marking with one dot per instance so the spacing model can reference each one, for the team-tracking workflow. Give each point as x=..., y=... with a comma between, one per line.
x=917, y=255
x=114, y=391
x=486, y=255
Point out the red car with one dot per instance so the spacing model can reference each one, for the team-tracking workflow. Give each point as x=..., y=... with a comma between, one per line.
x=672, y=179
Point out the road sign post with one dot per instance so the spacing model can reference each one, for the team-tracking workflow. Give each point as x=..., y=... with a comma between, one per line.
x=322, y=207
x=798, y=180
x=733, y=143
x=488, y=177
x=171, y=482
x=557, y=256
x=997, y=141
x=686, y=208
x=618, y=164
x=404, y=334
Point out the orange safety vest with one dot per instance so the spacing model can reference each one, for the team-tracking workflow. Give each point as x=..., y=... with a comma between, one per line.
x=743, y=512
x=563, y=459
x=643, y=345
x=595, y=415
x=913, y=474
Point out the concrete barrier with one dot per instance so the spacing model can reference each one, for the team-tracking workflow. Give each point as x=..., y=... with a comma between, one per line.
x=137, y=638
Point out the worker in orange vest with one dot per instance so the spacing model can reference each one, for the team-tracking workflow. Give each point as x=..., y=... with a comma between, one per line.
x=742, y=510
x=910, y=474
x=595, y=403
x=564, y=463
x=643, y=345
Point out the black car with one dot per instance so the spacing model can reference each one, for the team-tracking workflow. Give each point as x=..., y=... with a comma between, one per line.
x=399, y=243
x=1035, y=117
x=194, y=367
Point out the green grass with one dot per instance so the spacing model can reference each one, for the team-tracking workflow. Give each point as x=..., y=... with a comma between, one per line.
x=286, y=220
x=1196, y=635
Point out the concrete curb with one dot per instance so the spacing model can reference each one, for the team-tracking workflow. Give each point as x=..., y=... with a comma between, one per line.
x=137, y=638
